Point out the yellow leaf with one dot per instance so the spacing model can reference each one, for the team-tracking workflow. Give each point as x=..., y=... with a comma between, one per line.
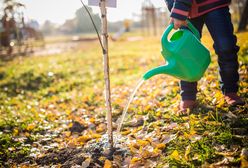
x=244, y=163
x=156, y=152
x=30, y=127
x=107, y=164
x=186, y=135
x=135, y=145
x=149, y=140
x=96, y=136
x=175, y=155
x=146, y=154
x=192, y=131
x=68, y=112
x=67, y=133
x=220, y=103
x=101, y=128
x=70, y=125
x=83, y=138
x=92, y=120
x=26, y=134
x=133, y=148
x=158, y=114
x=125, y=132
x=218, y=95
x=135, y=160
x=160, y=146
x=102, y=158
x=244, y=158
x=15, y=132
x=166, y=116
x=142, y=142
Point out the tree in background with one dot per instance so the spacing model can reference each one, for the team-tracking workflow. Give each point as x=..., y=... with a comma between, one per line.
x=48, y=28
x=10, y=9
x=11, y=17
x=243, y=17
x=83, y=23
x=239, y=9
x=69, y=27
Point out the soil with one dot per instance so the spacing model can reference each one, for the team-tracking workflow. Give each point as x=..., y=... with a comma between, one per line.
x=67, y=157
x=92, y=154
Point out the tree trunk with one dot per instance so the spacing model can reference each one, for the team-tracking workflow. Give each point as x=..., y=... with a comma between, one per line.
x=244, y=18
x=106, y=71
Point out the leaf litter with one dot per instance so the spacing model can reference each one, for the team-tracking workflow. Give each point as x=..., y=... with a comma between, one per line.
x=68, y=129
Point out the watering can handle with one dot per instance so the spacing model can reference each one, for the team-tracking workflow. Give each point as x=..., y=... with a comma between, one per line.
x=166, y=33
x=193, y=29
x=171, y=26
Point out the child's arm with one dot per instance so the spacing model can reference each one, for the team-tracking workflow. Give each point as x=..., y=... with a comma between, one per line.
x=180, y=12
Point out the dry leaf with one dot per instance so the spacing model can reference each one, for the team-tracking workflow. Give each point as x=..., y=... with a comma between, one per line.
x=160, y=146
x=187, y=151
x=107, y=164
x=135, y=160
x=175, y=155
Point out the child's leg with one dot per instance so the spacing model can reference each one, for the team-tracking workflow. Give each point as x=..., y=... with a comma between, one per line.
x=221, y=29
x=189, y=89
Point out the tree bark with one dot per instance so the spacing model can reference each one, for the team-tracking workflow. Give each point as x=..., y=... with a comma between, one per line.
x=244, y=18
x=106, y=71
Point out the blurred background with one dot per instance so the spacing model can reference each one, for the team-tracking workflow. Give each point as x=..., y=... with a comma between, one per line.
x=27, y=24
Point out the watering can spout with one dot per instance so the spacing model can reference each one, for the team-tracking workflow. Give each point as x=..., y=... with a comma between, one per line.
x=164, y=69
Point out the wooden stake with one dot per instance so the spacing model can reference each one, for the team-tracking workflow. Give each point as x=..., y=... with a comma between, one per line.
x=106, y=70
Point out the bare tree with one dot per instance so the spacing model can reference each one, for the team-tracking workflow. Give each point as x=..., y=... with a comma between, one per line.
x=244, y=17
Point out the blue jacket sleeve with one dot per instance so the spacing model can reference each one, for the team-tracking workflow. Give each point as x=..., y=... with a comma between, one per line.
x=179, y=8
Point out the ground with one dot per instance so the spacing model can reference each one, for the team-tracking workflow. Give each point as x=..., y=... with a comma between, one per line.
x=52, y=111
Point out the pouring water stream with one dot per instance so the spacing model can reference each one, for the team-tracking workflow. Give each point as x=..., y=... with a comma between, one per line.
x=128, y=104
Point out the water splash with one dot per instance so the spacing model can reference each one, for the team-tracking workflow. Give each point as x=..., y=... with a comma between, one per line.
x=128, y=103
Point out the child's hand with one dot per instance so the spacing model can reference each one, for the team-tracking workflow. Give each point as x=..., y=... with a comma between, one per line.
x=178, y=23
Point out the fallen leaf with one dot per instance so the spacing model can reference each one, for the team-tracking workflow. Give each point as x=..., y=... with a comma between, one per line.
x=168, y=138
x=142, y=142
x=160, y=146
x=30, y=127
x=187, y=151
x=135, y=160
x=15, y=132
x=125, y=132
x=86, y=163
x=107, y=164
x=175, y=155
x=244, y=158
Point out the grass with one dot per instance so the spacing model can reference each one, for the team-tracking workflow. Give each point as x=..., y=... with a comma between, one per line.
x=40, y=96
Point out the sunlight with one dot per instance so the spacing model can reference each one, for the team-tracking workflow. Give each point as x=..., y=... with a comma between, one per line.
x=58, y=12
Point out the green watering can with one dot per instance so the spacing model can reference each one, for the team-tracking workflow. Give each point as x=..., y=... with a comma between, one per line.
x=187, y=59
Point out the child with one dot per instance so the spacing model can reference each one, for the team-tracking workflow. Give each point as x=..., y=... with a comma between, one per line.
x=215, y=14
